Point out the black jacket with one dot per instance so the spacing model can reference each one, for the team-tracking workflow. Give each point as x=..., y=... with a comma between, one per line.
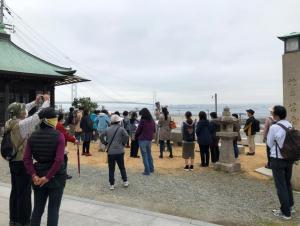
x=86, y=124
x=249, y=126
x=214, y=127
x=43, y=144
x=203, y=133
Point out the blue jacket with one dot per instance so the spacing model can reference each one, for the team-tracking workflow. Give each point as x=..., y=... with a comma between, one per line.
x=103, y=122
x=203, y=133
x=95, y=120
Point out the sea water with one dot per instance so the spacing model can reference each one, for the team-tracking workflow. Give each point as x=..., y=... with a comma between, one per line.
x=261, y=110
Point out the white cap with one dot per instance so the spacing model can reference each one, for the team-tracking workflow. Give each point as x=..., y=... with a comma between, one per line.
x=116, y=118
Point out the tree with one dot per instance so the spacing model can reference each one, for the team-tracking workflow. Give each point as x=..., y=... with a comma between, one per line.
x=85, y=102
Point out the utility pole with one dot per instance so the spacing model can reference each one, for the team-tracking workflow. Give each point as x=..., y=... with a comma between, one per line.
x=2, y=12
x=216, y=103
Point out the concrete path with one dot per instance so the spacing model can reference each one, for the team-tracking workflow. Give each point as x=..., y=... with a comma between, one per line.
x=83, y=212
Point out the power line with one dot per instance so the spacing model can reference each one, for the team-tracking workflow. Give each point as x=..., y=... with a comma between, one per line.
x=57, y=54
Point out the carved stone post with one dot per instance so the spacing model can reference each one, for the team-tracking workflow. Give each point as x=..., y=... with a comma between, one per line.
x=227, y=162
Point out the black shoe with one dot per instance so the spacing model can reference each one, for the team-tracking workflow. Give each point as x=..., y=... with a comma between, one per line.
x=250, y=153
x=160, y=156
x=69, y=177
x=170, y=156
x=191, y=167
x=186, y=168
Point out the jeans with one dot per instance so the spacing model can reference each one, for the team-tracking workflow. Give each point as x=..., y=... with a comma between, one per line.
x=102, y=147
x=214, y=150
x=134, y=148
x=282, y=173
x=95, y=135
x=20, y=196
x=128, y=132
x=112, y=160
x=145, y=146
x=78, y=136
x=41, y=194
x=204, y=153
x=235, y=149
x=162, y=147
x=66, y=159
x=86, y=147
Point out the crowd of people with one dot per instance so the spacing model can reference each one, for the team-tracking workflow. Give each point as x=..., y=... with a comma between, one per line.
x=41, y=140
x=88, y=126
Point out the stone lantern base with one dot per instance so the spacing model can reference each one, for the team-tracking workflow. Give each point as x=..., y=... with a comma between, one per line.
x=228, y=167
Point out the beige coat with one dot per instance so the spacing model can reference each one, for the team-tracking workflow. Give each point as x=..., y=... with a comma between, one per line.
x=17, y=141
x=164, y=128
x=77, y=122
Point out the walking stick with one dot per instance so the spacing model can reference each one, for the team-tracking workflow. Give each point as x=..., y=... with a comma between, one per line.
x=78, y=160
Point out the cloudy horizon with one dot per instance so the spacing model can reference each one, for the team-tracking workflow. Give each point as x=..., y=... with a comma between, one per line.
x=184, y=51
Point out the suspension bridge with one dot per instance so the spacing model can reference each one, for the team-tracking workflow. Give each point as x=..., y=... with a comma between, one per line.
x=108, y=102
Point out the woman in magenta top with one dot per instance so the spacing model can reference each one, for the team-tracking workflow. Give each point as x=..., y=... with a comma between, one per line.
x=46, y=146
x=144, y=135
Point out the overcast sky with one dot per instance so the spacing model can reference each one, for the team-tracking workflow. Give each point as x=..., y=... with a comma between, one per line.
x=185, y=50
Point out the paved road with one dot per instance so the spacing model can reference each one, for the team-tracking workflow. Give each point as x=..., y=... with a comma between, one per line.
x=83, y=212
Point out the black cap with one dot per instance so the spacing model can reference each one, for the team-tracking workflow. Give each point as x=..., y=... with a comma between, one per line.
x=250, y=111
x=47, y=113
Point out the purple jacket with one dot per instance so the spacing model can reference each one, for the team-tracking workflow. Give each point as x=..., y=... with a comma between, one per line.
x=145, y=130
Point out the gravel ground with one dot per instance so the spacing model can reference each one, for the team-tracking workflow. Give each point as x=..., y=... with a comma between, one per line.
x=209, y=196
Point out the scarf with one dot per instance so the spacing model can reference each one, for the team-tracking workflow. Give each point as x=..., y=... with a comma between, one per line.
x=52, y=122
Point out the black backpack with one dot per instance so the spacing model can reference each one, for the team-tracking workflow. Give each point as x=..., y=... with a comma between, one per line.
x=291, y=145
x=256, y=125
x=7, y=150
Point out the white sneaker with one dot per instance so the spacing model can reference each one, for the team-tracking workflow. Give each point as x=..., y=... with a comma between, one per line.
x=278, y=213
x=126, y=184
x=293, y=210
x=112, y=187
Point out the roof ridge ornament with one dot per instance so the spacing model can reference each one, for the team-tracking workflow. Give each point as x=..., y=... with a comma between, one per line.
x=3, y=25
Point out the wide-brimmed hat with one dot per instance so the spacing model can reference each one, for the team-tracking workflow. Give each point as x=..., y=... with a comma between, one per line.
x=250, y=111
x=115, y=118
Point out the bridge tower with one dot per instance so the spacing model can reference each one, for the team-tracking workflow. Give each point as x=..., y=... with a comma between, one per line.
x=73, y=92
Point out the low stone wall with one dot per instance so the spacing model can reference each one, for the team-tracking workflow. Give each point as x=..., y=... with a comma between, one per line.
x=296, y=177
x=176, y=138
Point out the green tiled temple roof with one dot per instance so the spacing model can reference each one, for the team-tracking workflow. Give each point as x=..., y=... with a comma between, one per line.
x=14, y=59
x=290, y=35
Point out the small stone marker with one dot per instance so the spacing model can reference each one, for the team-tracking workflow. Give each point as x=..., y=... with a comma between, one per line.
x=264, y=171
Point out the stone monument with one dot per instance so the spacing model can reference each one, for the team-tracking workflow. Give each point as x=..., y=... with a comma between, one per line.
x=227, y=162
x=291, y=88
